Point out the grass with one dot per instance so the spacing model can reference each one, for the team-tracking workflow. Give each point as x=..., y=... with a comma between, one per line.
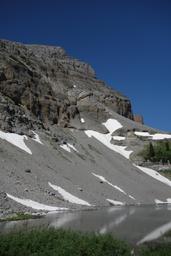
x=53, y=242
x=19, y=216
x=61, y=243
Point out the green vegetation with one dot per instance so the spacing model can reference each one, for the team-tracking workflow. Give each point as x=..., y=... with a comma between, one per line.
x=19, y=216
x=65, y=243
x=157, y=152
x=61, y=243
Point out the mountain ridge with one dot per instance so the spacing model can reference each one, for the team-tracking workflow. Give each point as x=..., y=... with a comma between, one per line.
x=66, y=139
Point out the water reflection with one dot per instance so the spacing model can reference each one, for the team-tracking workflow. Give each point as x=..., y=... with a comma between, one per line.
x=131, y=223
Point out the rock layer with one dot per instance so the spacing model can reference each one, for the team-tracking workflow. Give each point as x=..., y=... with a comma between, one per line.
x=41, y=86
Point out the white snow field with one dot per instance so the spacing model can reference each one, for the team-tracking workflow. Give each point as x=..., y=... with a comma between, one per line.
x=16, y=140
x=112, y=125
x=156, y=136
x=68, y=147
x=114, y=202
x=67, y=196
x=35, y=205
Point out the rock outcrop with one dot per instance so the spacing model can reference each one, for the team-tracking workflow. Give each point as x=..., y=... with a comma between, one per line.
x=41, y=86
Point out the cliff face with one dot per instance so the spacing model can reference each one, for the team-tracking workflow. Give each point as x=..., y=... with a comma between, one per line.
x=41, y=86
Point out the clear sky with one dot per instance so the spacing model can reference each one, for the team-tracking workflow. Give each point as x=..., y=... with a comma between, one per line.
x=128, y=43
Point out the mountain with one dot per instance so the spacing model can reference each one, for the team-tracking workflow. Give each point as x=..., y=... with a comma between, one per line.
x=67, y=140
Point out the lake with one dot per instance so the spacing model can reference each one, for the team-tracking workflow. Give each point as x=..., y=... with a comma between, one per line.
x=135, y=224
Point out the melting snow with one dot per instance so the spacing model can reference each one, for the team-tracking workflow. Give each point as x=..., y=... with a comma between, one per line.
x=82, y=120
x=114, y=202
x=157, y=136
x=65, y=147
x=67, y=196
x=36, y=138
x=112, y=125
x=106, y=181
x=118, y=138
x=16, y=140
x=154, y=174
x=68, y=147
x=35, y=205
x=114, y=186
x=168, y=201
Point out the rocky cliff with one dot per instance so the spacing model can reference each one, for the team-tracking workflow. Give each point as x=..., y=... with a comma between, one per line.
x=41, y=86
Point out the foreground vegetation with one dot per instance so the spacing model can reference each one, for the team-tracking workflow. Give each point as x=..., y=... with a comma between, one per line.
x=157, y=152
x=60, y=243
x=65, y=243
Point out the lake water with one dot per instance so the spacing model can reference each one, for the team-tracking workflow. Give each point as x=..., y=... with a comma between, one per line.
x=134, y=224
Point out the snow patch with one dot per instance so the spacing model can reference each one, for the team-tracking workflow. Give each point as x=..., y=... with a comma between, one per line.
x=35, y=205
x=67, y=196
x=106, y=181
x=154, y=174
x=114, y=186
x=65, y=147
x=168, y=201
x=82, y=120
x=114, y=202
x=71, y=146
x=157, y=136
x=16, y=139
x=118, y=138
x=112, y=125
x=36, y=138
x=68, y=147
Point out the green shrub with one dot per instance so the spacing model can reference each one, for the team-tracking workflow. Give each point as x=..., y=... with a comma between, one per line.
x=157, y=152
x=61, y=243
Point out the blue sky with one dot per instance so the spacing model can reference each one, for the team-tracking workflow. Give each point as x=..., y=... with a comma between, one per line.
x=128, y=43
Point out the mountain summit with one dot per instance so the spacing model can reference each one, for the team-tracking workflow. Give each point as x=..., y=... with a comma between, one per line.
x=68, y=140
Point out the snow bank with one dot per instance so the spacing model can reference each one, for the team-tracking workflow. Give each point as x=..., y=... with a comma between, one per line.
x=36, y=138
x=35, y=205
x=16, y=140
x=157, y=136
x=67, y=196
x=114, y=202
x=154, y=174
x=68, y=147
x=112, y=125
